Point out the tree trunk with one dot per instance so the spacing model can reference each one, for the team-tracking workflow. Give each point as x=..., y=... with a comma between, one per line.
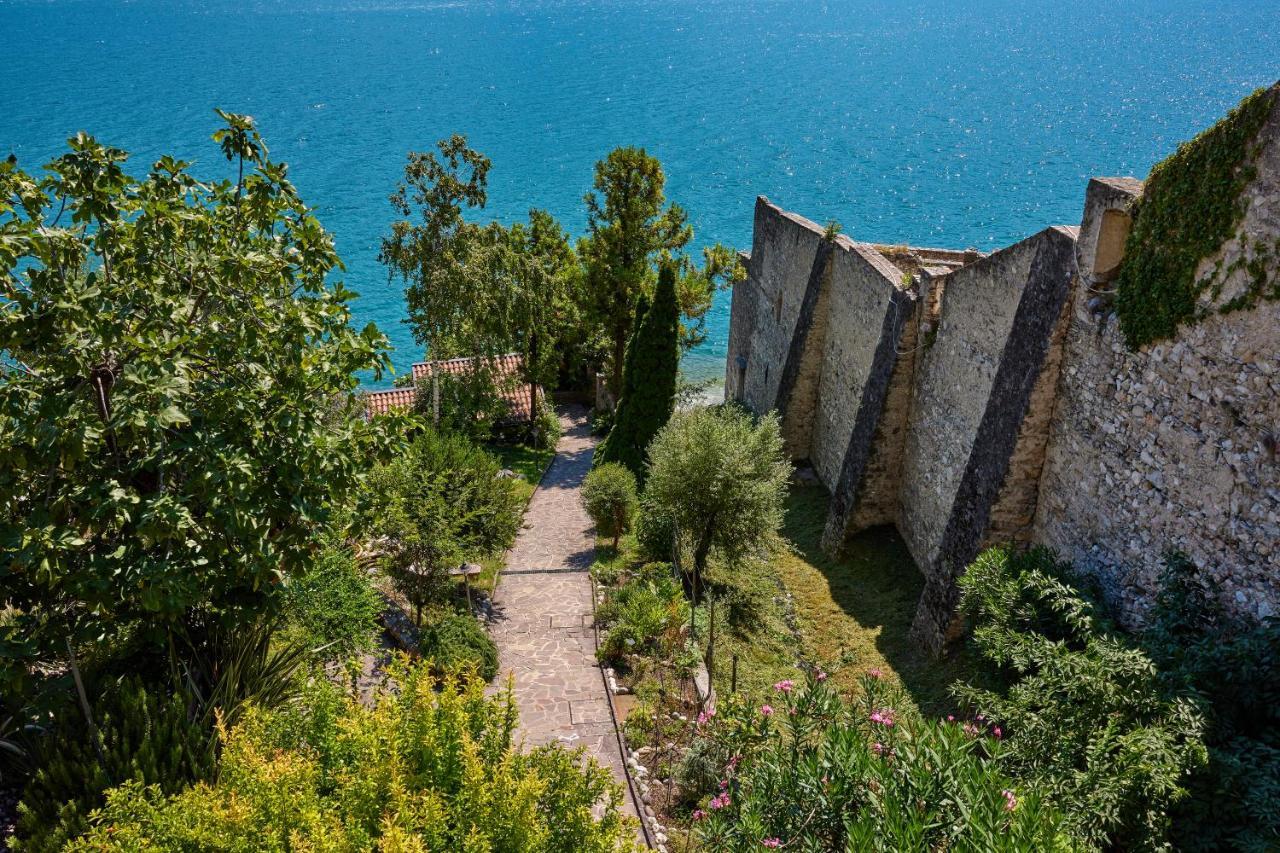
x=700, y=557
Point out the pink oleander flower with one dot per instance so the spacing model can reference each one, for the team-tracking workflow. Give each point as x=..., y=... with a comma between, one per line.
x=884, y=717
x=704, y=717
x=877, y=748
x=784, y=686
x=766, y=711
x=724, y=784
x=951, y=718
x=699, y=814
x=875, y=672
x=771, y=843
x=821, y=676
x=1010, y=801
x=997, y=732
x=719, y=801
x=734, y=762
x=970, y=729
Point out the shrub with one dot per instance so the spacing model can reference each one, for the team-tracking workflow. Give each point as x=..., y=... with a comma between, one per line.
x=547, y=425
x=639, y=612
x=333, y=606
x=430, y=767
x=1232, y=671
x=655, y=534
x=456, y=641
x=809, y=771
x=145, y=737
x=609, y=494
x=1087, y=715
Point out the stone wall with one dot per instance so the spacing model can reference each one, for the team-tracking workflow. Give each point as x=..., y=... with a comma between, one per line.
x=974, y=401
x=1172, y=446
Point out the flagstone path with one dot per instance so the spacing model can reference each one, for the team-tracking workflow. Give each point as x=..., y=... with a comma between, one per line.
x=542, y=613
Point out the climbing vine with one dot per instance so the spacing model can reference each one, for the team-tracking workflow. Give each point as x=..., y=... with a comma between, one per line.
x=1192, y=203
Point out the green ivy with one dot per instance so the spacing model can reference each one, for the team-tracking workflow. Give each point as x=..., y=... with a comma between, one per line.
x=1192, y=203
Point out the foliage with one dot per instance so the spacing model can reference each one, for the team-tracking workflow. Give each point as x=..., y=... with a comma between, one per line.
x=639, y=612
x=445, y=474
x=1087, y=717
x=177, y=410
x=477, y=290
x=721, y=478
x=630, y=227
x=547, y=425
x=457, y=641
x=609, y=495
x=1233, y=673
x=144, y=736
x=333, y=607
x=430, y=767
x=655, y=533
x=469, y=403
x=649, y=383
x=809, y=771
x=1191, y=204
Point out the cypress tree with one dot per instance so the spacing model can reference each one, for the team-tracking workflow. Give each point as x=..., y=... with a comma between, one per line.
x=649, y=379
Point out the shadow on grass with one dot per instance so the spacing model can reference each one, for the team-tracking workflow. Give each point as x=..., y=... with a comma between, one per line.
x=855, y=613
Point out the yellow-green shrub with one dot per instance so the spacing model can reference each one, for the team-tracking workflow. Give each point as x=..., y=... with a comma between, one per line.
x=431, y=766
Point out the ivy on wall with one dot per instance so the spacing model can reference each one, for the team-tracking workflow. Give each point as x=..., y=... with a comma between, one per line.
x=1191, y=204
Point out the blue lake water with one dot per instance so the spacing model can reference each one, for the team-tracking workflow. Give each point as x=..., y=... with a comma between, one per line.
x=937, y=123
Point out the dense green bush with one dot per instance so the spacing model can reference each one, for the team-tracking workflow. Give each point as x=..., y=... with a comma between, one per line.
x=457, y=640
x=333, y=607
x=655, y=534
x=810, y=771
x=145, y=737
x=1232, y=672
x=547, y=424
x=1087, y=717
x=609, y=495
x=639, y=612
x=431, y=767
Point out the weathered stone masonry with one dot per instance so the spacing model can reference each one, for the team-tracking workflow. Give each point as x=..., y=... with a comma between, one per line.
x=973, y=400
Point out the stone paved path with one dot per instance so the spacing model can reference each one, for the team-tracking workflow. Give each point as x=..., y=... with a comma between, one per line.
x=543, y=613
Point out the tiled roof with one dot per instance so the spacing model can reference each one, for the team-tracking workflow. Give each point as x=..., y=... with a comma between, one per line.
x=506, y=368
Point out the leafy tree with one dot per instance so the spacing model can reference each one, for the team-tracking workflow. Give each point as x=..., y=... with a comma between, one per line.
x=333, y=606
x=649, y=383
x=721, y=478
x=177, y=413
x=473, y=289
x=430, y=766
x=425, y=545
x=631, y=227
x=609, y=494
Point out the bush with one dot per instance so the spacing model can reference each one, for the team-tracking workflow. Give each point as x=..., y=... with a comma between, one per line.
x=456, y=641
x=1232, y=671
x=639, y=612
x=146, y=738
x=547, y=425
x=333, y=606
x=1087, y=716
x=609, y=494
x=430, y=767
x=809, y=771
x=655, y=534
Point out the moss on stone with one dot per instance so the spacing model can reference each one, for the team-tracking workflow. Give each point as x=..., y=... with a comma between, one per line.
x=1192, y=203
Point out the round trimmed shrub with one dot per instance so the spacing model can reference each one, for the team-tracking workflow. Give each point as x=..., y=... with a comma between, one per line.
x=609, y=494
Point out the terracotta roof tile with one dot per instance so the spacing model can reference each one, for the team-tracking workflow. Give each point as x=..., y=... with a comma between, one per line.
x=507, y=373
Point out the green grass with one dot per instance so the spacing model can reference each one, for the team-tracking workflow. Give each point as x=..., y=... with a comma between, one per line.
x=855, y=613
x=529, y=462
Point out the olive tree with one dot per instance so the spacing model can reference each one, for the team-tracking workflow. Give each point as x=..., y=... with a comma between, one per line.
x=721, y=478
x=178, y=416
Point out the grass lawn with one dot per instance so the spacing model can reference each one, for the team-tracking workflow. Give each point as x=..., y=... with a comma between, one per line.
x=855, y=613
x=530, y=463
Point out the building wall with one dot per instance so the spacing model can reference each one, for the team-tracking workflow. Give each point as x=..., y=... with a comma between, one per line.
x=1172, y=446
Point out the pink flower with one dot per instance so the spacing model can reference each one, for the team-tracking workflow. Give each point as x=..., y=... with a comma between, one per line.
x=874, y=672
x=970, y=729
x=734, y=762
x=997, y=732
x=699, y=814
x=877, y=748
x=771, y=843
x=724, y=783
x=884, y=717
x=822, y=676
x=1010, y=801
x=704, y=717
x=719, y=801
x=784, y=686
x=951, y=718
x=766, y=711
